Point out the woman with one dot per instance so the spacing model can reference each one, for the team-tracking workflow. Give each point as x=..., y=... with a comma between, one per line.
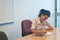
x=41, y=22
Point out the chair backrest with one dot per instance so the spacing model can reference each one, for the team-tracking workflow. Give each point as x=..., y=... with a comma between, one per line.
x=26, y=25
x=3, y=36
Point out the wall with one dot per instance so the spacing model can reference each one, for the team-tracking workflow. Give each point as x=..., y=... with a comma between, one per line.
x=26, y=9
x=29, y=9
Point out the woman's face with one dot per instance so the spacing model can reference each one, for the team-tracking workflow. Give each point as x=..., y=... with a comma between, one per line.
x=43, y=17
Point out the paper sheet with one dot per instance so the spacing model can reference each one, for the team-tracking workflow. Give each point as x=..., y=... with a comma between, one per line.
x=49, y=33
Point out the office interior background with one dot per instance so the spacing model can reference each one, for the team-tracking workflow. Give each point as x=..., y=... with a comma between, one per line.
x=29, y=9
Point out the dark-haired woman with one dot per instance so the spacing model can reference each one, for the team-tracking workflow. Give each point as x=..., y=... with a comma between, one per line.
x=40, y=23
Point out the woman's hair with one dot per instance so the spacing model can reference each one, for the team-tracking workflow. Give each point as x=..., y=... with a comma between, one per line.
x=44, y=12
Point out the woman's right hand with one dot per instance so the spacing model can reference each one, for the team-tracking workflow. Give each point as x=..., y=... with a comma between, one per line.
x=41, y=31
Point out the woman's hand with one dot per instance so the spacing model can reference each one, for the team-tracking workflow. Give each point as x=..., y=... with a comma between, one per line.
x=42, y=31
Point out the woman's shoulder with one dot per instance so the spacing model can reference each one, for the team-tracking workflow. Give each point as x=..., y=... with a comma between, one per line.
x=36, y=18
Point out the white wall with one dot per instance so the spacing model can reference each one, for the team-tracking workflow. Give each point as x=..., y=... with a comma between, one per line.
x=29, y=9
x=26, y=9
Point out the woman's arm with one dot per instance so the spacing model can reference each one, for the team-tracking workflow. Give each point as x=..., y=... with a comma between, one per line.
x=49, y=26
x=34, y=30
x=38, y=31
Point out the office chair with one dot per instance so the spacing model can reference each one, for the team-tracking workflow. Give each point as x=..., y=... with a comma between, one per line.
x=26, y=25
x=3, y=36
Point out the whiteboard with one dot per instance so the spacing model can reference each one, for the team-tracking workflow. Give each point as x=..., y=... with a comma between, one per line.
x=6, y=11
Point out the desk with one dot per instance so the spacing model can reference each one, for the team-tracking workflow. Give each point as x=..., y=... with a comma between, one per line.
x=45, y=37
x=58, y=34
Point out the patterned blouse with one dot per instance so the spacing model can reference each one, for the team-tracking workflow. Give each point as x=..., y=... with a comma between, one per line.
x=36, y=24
